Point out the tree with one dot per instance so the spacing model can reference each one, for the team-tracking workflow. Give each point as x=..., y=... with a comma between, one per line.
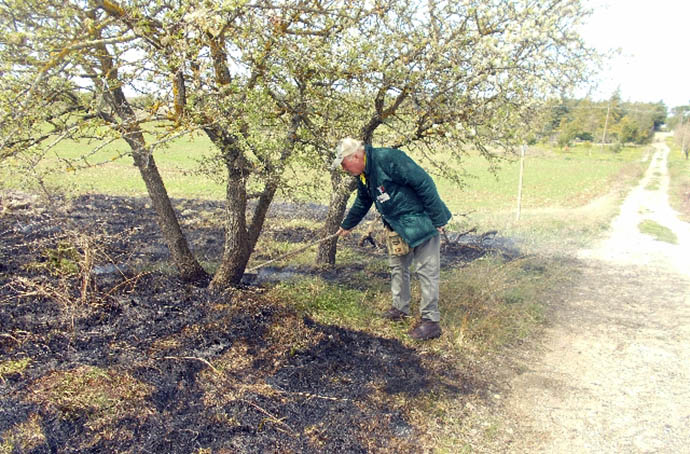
x=659, y=115
x=681, y=132
x=628, y=130
x=584, y=119
x=246, y=74
x=51, y=49
x=458, y=75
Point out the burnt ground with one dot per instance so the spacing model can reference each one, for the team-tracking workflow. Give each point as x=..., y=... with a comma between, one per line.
x=101, y=351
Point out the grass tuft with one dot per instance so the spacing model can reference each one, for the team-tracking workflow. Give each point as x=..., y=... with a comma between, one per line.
x=12, y=367
x=325, y=302
x=679, y=189
x=102, y=396
x=653, y=185
x=27, y=436
x=658, y=231
x=494, y=303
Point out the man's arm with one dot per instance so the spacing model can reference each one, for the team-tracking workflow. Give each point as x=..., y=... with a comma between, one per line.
x=358, y=210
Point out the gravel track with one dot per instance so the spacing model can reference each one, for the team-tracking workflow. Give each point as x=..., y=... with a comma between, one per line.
x=612, y=375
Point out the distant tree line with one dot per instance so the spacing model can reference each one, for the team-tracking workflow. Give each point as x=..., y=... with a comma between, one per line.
x=612, y=121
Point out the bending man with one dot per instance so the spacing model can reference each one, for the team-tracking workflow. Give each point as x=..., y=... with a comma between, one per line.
x=413, y=214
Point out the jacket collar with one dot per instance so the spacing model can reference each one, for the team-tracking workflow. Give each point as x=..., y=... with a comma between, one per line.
x=367, y=165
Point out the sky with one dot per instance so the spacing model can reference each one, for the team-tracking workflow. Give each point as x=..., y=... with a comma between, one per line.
x=652, y=35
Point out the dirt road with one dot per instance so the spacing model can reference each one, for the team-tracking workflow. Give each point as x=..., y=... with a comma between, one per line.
x=613, y=375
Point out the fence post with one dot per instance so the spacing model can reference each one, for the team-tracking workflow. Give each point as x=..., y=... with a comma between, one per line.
x=522, y=168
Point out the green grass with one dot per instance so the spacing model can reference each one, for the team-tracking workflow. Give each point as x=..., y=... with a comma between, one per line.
x=111, y=170
x=552, y=177
x=26, y=436
x=571, y=194
x=679, y=188
x=325, y=302
x=12, y=367
x=658, y=231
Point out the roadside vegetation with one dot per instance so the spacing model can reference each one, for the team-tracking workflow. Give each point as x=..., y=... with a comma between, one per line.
x=679, y=171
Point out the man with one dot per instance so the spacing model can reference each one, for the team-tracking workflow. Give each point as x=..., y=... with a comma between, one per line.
x=410, y=207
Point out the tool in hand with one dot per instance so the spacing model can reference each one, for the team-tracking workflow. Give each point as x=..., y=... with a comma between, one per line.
x=291, y=253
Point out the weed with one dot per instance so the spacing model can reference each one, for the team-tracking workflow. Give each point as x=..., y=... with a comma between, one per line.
x=679, y=188
x=658, y=231
x=61, y=260
x=493, y=303
x=102, y=396
x=24, y=437
x=12, y=367
x=653, y=185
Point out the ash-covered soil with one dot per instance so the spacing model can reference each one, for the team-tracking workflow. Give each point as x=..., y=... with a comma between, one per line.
x=100, y=351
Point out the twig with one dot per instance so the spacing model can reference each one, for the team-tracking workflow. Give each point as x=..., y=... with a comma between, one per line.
x=125, y=282
x=193, y=358
x=291, y=253
x=271, y=417
x=467, y=232
x=310, y=395
x=445, y=235
x=315, y=396
x=10, y=337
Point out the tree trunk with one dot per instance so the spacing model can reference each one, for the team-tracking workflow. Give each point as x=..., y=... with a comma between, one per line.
x=342, y=189
x=336, y=212
x=189, y=268
x=236, y=248
x=240, y=240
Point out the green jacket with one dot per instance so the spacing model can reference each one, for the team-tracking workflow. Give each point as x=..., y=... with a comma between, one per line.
x=403, y=193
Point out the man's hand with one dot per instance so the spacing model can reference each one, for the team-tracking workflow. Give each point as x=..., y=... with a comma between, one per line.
x=442, y=230
x=342, y=232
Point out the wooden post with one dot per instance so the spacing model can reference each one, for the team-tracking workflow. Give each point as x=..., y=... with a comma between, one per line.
x=522, y=168
x=682, y=135
x=606, y=124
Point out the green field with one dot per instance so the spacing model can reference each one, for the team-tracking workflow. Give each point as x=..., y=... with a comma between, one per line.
x=575, y=190
x=111, y=170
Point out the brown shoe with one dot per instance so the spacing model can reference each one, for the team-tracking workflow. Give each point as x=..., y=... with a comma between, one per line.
x=425, y=330
x=394, y=314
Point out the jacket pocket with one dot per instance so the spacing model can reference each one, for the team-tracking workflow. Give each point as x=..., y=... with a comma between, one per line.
x=415, y=228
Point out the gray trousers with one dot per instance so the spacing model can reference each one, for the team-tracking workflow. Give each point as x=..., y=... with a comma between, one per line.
x=427, y=266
